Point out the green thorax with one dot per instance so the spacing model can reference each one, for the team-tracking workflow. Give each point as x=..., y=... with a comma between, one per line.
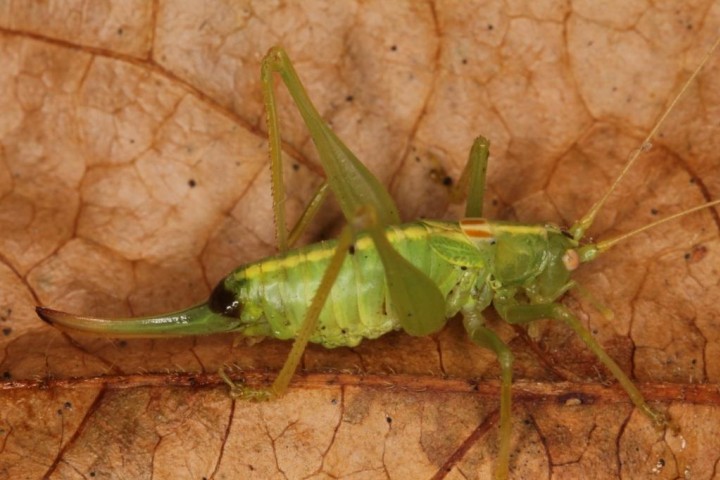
x=532, y=261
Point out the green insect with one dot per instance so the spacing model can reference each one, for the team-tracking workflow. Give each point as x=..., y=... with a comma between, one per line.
x=380, y=275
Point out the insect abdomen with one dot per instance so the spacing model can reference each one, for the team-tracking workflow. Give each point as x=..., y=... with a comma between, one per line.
x=277, y=291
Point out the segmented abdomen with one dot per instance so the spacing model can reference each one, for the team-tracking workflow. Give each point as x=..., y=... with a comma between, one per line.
x=275, y=293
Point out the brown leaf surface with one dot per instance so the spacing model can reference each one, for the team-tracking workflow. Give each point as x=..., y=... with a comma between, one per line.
x=133, y=176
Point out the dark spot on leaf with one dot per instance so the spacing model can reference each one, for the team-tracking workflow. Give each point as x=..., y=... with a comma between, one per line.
x=388, y=419
x=295, y=167
x=393, y=48
x=447, y=181
x=192, y=183
x=697, y=253
x=349, y=98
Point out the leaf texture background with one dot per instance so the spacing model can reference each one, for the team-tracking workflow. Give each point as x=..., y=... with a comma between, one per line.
x=134, y=175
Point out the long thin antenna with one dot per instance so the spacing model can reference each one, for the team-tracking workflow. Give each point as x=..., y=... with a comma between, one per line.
x=611, y=242
x=582, y=225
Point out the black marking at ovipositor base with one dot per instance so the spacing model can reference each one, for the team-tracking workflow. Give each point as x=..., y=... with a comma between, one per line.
x=223, y=301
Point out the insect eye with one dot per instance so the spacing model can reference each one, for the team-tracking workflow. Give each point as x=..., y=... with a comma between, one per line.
x=224, y=302
x=571, y=259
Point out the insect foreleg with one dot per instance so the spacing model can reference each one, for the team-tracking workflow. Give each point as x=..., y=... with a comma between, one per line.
x=484, y=337
x=471, y=184
x=527, y=313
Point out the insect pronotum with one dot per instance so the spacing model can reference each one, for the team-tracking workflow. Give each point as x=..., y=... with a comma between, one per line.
x=381, y=275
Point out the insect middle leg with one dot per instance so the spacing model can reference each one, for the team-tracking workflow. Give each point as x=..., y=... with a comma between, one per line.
x=484, y=337
x=471, y=184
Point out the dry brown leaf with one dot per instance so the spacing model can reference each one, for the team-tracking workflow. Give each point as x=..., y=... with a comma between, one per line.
x=133, y=176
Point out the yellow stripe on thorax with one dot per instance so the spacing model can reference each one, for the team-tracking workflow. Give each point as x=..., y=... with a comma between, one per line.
x=520, y=229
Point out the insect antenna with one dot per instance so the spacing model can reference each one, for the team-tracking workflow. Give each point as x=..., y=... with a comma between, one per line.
x=581, y=226
x=590, y=251
x=605, y=245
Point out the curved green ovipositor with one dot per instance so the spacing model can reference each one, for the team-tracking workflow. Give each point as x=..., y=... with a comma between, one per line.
x=198, y=320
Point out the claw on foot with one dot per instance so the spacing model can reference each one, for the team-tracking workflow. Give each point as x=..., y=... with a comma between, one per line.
x=660, y=420
x=245, y=393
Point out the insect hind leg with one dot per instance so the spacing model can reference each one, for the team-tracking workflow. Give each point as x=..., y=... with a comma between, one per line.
x=351, y=182
x=308, y=327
